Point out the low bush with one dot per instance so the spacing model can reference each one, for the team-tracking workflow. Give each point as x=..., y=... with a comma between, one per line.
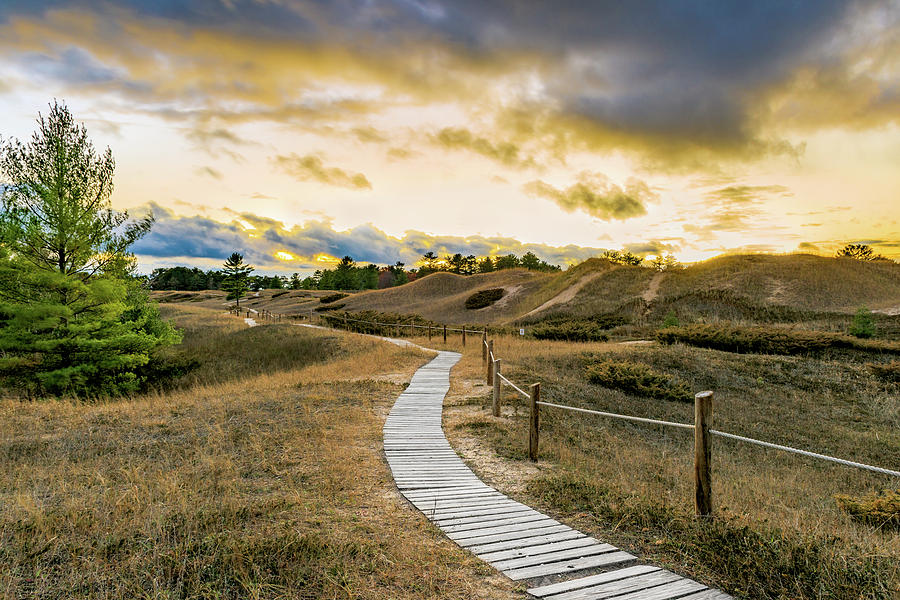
x=570, y=331
x=639, y=379
x=671, y=320
x=332, y=298
x=771, y=340
x=483, y=298
x=881, y=509
x=329, y=307
x=889, y=372
x=863, y=325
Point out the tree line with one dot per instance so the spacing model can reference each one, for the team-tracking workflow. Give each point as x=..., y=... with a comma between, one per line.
x=347, y=274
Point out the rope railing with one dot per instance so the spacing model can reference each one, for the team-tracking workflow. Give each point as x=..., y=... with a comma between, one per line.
x=702, y=431
x=727, y=435
x=514, y=386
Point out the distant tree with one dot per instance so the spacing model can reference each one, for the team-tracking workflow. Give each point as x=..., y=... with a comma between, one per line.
x=622, y=257
x=236, y=278
x=431, y=263
x=399, y=274
x=73, y=319
x=531, y=262
x=486, y=265
x=456, y=263
x=863, y=325
x=296, y=283
x=510, y=261
x=858, y=252
x=664, y=263
x=469, y=265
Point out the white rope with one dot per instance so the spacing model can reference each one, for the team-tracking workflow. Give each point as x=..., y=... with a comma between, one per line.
x=617, y=416
x=732, y=436
x=833, y=459
x=514, y=386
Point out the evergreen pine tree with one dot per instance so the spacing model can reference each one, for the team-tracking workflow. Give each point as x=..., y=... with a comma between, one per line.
x=236, y=281
x=72, y=319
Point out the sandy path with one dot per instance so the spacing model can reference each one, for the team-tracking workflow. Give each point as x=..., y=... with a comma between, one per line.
x=565, y=295
x=652, y=290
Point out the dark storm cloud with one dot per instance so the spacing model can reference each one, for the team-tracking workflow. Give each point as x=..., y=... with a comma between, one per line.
x=673, y=81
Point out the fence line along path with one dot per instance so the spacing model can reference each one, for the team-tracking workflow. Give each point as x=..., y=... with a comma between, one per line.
x=556, y=561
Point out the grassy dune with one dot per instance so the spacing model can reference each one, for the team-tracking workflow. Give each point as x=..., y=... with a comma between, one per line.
x=260, y=476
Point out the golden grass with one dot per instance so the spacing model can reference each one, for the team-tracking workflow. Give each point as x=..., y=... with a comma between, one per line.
x=645, y=472
x=268, y=486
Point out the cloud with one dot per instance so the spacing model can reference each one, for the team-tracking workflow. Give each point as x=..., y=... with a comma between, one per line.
x=505, y=153
x=736, y=208
x=675, y=85
x=655, y=247
x=208, y=172
x=597, y=196
x=311, y=168
x=201, y=240
x=369, y=135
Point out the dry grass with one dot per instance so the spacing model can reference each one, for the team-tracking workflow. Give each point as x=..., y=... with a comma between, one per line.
x=268, y=486
x=631, y=484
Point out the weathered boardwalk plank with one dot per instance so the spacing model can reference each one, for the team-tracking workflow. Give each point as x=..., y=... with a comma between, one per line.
x=522, y=543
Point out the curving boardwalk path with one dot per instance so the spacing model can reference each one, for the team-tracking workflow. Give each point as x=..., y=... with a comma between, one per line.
x=556, y=561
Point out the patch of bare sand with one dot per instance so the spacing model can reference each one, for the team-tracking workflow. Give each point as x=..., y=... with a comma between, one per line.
x=511, y=292
x=462, y=405
x=652, y=290
x=891, y=312
x=564, y=296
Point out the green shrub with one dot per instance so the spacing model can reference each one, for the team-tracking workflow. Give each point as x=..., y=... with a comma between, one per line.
x=332, y=298
x=881, y=509
x=639, y=379
x=483, y=298
x=570, y=331
x=863, y=325
x=671, y=320
x=771, y=340
x=330, y=307
x=888, y=372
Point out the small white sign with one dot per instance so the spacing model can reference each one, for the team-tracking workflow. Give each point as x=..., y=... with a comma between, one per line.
x=522, y=331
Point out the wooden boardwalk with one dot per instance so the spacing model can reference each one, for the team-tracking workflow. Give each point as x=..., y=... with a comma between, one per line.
x=554, y=560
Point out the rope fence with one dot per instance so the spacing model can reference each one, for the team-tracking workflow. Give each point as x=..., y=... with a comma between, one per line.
x=702, y=431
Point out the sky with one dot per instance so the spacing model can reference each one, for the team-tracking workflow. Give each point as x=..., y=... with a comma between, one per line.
x=297, y=132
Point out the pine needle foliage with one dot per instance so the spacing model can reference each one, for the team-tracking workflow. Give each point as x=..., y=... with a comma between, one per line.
x=72, y=319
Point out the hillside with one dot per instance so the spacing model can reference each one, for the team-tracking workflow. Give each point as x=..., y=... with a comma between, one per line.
x=767, y=288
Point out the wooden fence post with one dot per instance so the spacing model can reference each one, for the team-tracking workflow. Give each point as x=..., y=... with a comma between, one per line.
x=445, y=334
x=429, y=333
x=496, y=405
x=484, y=356
x=489, y=375
x=535, y=422
x=464, y=335
x=702, y=471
